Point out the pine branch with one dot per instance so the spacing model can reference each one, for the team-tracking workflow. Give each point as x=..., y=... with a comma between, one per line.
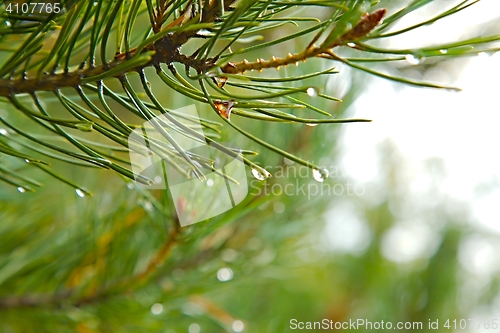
x=173, y=24
x=364, y=26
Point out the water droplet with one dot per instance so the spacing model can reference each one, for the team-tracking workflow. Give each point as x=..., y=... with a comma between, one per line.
x=156, y=308
x=287, y=161
x=320, y=174
x=21, y=189
x=225, y=274
x=158, y=179
x=148, y=205
x=238, y=326
x=194, y=328
x=80, y=193
x=312, y=124
x=260, y=174
x=27, y=161
x=279, y=207
x=228, y=255
x=210, y=182
x=217, y=163
x=7, y=24
x=204, y=32
x=312, y=92
x=413, y=60
x=351, y=44
x=3, y=131
x=443, y=51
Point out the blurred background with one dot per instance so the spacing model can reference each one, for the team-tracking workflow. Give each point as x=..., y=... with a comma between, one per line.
x=406, y=228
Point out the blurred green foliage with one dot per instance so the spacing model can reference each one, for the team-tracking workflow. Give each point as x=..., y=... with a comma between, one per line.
x=117, y=261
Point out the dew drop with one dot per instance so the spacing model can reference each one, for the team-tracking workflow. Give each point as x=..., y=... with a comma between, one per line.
x=225, y=274
x=412, y=59
x=217, y=163
x=238, y=326
x=79, y=193
x=320, y=174
x=228, y=255
x=27, y=161
x=148, y=205
x=7, y=24
x=443, y=51
x=3, y=131
x=351, y=44
x=260, y=174
x=279, y=207
x=194, y=328
x=312, y=124
x=312, y=92
x=156, y=308
x=21, y=189
x=210, y=182
x=204, y=32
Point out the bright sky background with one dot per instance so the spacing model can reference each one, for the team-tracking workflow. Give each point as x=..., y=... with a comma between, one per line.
x=461, y=129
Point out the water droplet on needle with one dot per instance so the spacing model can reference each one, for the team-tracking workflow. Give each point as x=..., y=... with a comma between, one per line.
x=412, y=59
x=320, y=174
x=312, y=92
x=260, y=174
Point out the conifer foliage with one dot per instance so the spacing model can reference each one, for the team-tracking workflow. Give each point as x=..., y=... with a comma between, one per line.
x=78, y=77
x=73, y=54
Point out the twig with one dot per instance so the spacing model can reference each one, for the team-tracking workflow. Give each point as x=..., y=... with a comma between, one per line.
x=166, y=49
x=364, y=26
